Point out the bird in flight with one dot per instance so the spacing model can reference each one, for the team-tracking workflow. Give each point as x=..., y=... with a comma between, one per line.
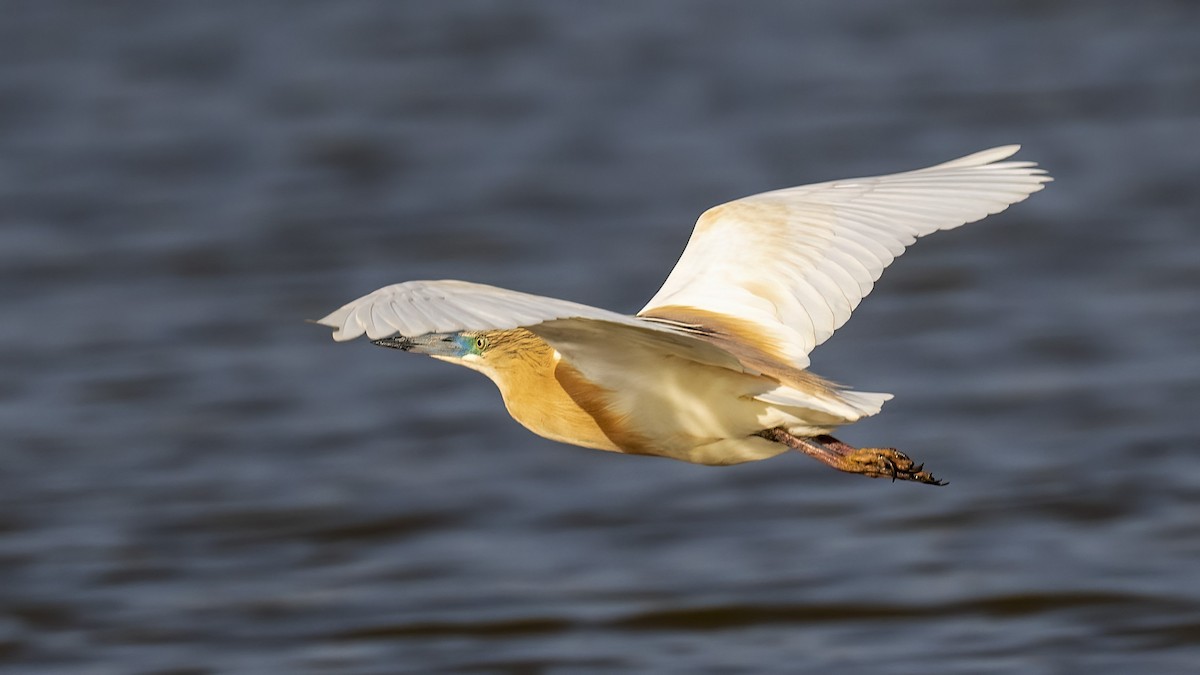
x=714, y=369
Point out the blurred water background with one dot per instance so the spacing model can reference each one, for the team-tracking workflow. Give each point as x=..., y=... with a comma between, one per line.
x=193, y=480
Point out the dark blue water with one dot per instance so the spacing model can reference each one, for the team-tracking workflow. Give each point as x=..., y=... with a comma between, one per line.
x=193, y=480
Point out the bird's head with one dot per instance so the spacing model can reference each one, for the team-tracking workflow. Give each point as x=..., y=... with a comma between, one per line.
x=447, y=346
x=485, y=351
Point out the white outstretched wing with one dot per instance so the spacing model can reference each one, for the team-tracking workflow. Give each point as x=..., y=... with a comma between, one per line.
x=791, y=265
x=415, y=308
x=418, y=307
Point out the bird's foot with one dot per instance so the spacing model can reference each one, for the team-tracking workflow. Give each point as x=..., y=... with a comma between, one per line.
x=873, y=462
x=886, y=463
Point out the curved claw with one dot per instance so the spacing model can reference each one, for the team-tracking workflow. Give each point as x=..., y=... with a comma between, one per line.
x=887, y=462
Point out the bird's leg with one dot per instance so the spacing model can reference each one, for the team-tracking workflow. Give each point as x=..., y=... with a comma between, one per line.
x=873, y=462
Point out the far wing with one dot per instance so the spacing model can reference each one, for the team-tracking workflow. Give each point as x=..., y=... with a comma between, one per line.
x=418, y=307
x=415, y=308
x=784, y=269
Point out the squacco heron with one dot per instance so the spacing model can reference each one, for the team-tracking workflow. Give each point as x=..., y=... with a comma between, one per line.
x=714, y=369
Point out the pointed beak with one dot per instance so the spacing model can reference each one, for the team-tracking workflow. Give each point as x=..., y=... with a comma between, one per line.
x=432, y=344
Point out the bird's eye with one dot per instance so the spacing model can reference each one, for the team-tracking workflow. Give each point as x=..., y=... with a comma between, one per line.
x=481, y=343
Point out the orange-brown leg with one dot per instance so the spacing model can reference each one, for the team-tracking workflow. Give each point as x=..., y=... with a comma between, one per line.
x=873, y=462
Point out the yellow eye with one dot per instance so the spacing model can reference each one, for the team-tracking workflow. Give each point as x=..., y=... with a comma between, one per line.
x=481, y=343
